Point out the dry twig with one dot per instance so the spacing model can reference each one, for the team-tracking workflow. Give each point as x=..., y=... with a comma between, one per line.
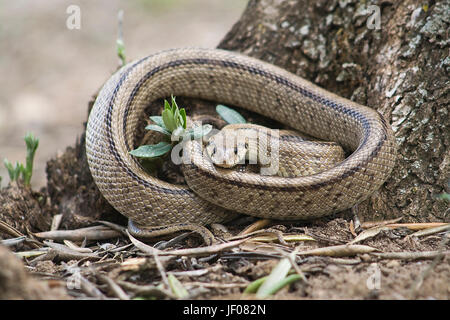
x=114, y=287
x=89, y=233
x=339, y=251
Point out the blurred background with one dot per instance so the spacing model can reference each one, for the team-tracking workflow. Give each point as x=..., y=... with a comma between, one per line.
x=49, y=72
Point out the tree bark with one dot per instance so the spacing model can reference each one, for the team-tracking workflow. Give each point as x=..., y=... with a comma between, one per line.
x=400, y=69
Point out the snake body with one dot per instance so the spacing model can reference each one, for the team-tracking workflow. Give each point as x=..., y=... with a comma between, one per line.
x=285, y=153
x=233, y=79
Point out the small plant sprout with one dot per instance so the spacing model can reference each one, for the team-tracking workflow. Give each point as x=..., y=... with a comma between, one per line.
x=173, y=124
x=444, y=196
x=280, y=277
x=19, y=169
x=32, y=144
x=13, y=171
x=119, y=42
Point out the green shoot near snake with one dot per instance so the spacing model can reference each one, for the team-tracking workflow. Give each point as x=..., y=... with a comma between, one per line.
x=19, y=169
x=281, y=276
x=173, y=124
x=120, y=46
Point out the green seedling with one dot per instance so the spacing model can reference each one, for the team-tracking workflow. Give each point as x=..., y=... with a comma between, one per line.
x=173, y=125
x=177, y=287
x=13, y=171
x=279, y=278
x=229, y=115
x=19, y=170
x=444, y=196
x=120, y=46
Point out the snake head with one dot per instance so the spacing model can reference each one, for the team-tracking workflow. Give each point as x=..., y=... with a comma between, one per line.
x=225, y=150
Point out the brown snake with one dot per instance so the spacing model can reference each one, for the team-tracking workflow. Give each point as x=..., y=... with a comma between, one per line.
x=233, y=79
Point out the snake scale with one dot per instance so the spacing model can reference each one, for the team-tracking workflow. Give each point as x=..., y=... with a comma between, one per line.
x=211, y=194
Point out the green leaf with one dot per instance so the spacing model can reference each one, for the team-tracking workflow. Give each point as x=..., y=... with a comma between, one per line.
x=253, y=286
x=444, y=196
x=167, y=105
x=152, y=151
x=158, y=120
x=10, y=168
x=26, y=174
x=177, y=118
x=177, y=287
x=32, y=144
x=272, y=283
x=183, y=116
x=284, y=282
x=121, y=51
x=19, y=169
x=229, y=115
x=119, y=42
x=197, y=132
x=157, y=128
x=168, y=119
x=174, y=103
x=13, y=171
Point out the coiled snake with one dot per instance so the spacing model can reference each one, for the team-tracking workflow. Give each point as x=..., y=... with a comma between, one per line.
x=233, y=79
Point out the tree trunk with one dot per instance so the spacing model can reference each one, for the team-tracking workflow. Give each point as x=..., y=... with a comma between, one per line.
x=396, y=62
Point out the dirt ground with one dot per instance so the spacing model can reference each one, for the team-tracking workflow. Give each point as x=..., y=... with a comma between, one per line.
x=53, y=71
x=390, y=264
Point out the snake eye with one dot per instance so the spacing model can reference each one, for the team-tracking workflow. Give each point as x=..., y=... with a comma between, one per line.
x=212, y=148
